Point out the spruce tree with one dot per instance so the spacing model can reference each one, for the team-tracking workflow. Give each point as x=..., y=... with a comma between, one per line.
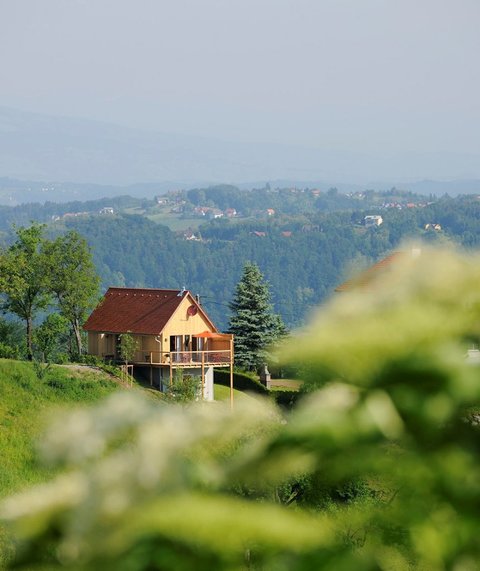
x=253, y=321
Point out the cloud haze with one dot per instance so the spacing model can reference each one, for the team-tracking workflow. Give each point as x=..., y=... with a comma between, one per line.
x=370, y=76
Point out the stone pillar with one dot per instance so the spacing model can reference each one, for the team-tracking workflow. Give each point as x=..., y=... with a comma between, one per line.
x=265, y=376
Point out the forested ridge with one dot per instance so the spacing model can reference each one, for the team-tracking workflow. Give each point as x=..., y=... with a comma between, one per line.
x=303, y=253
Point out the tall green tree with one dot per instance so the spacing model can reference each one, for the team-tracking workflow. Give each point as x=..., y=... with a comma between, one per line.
x=23, y=282
x=253, y=321
x=73, y=281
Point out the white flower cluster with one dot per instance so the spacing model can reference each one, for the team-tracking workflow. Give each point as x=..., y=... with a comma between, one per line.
x=128, y=452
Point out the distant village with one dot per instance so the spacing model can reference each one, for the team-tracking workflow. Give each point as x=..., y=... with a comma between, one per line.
x=180, y=204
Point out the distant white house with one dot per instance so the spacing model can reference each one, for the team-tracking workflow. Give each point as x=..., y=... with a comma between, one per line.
x=107, y=210
x=373, y=220
x=190, y=236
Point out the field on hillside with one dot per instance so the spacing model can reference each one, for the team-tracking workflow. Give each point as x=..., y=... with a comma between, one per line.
x=26, y=402
x=26, y=405
x=222, y=393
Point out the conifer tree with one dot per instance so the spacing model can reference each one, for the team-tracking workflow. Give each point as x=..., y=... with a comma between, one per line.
x=253, y=321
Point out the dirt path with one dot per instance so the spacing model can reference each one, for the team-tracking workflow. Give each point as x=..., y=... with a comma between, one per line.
x=80, y=370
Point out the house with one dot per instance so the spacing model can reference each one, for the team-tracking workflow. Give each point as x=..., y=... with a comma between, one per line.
x=172, y=332
x=364, y=282
x=106, y=210
x=373, y=220
x=190, y=236
x=270, y=212
x=365, y=279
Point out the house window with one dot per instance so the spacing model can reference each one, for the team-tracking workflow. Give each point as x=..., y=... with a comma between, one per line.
x=176, y=347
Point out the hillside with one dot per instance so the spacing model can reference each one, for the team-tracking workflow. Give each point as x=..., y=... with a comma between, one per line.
x=25, y=404
x=303, y=257
x=305, y=241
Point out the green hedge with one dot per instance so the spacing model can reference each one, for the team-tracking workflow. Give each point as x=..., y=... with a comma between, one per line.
x=285, y=398
x=241, y=381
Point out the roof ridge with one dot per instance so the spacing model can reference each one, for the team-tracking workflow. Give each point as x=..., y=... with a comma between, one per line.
x=147, y=288
x=363, y=278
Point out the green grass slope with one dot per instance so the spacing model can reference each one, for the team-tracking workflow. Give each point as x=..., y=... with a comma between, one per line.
x=26, y=403
x=222, y=393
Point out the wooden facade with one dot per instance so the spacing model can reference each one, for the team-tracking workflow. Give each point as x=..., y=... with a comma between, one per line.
x=171, y=329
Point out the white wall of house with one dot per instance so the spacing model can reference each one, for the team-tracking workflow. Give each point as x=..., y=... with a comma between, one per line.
x=208, y=393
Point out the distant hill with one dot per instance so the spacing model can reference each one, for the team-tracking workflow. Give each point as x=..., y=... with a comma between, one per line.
x=453, y=187
x=14, y=192
x=50, y=148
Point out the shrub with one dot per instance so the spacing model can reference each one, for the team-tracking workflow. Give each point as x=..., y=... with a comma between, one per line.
x=285, y=398
x=376, y=469
x=184, y=388
x=8, y=352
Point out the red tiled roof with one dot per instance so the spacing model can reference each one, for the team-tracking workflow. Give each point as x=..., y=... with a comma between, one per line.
x=366, y=277
x=138, y=310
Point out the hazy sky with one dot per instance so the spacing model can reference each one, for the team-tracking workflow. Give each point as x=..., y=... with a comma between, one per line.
x=344, y=74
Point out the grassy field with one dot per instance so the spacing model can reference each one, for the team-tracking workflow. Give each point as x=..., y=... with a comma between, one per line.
x=285, y=384
x=174, y=222
x=222, y=393
x=25, y=405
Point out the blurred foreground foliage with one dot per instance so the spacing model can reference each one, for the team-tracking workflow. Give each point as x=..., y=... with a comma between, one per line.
x=377, y=467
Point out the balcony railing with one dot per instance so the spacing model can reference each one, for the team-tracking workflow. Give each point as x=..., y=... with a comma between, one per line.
x=184, y=358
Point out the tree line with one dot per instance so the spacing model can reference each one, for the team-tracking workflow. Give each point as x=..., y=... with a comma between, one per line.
x=302, y=257
x=39, y=274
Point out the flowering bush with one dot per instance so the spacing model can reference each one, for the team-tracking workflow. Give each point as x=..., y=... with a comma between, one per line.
x=378, y=468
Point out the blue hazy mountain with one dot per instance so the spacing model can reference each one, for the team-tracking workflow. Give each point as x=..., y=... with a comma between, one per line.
x=51, y=148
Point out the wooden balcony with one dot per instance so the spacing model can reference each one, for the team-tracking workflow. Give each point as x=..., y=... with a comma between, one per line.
x=185, y=359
